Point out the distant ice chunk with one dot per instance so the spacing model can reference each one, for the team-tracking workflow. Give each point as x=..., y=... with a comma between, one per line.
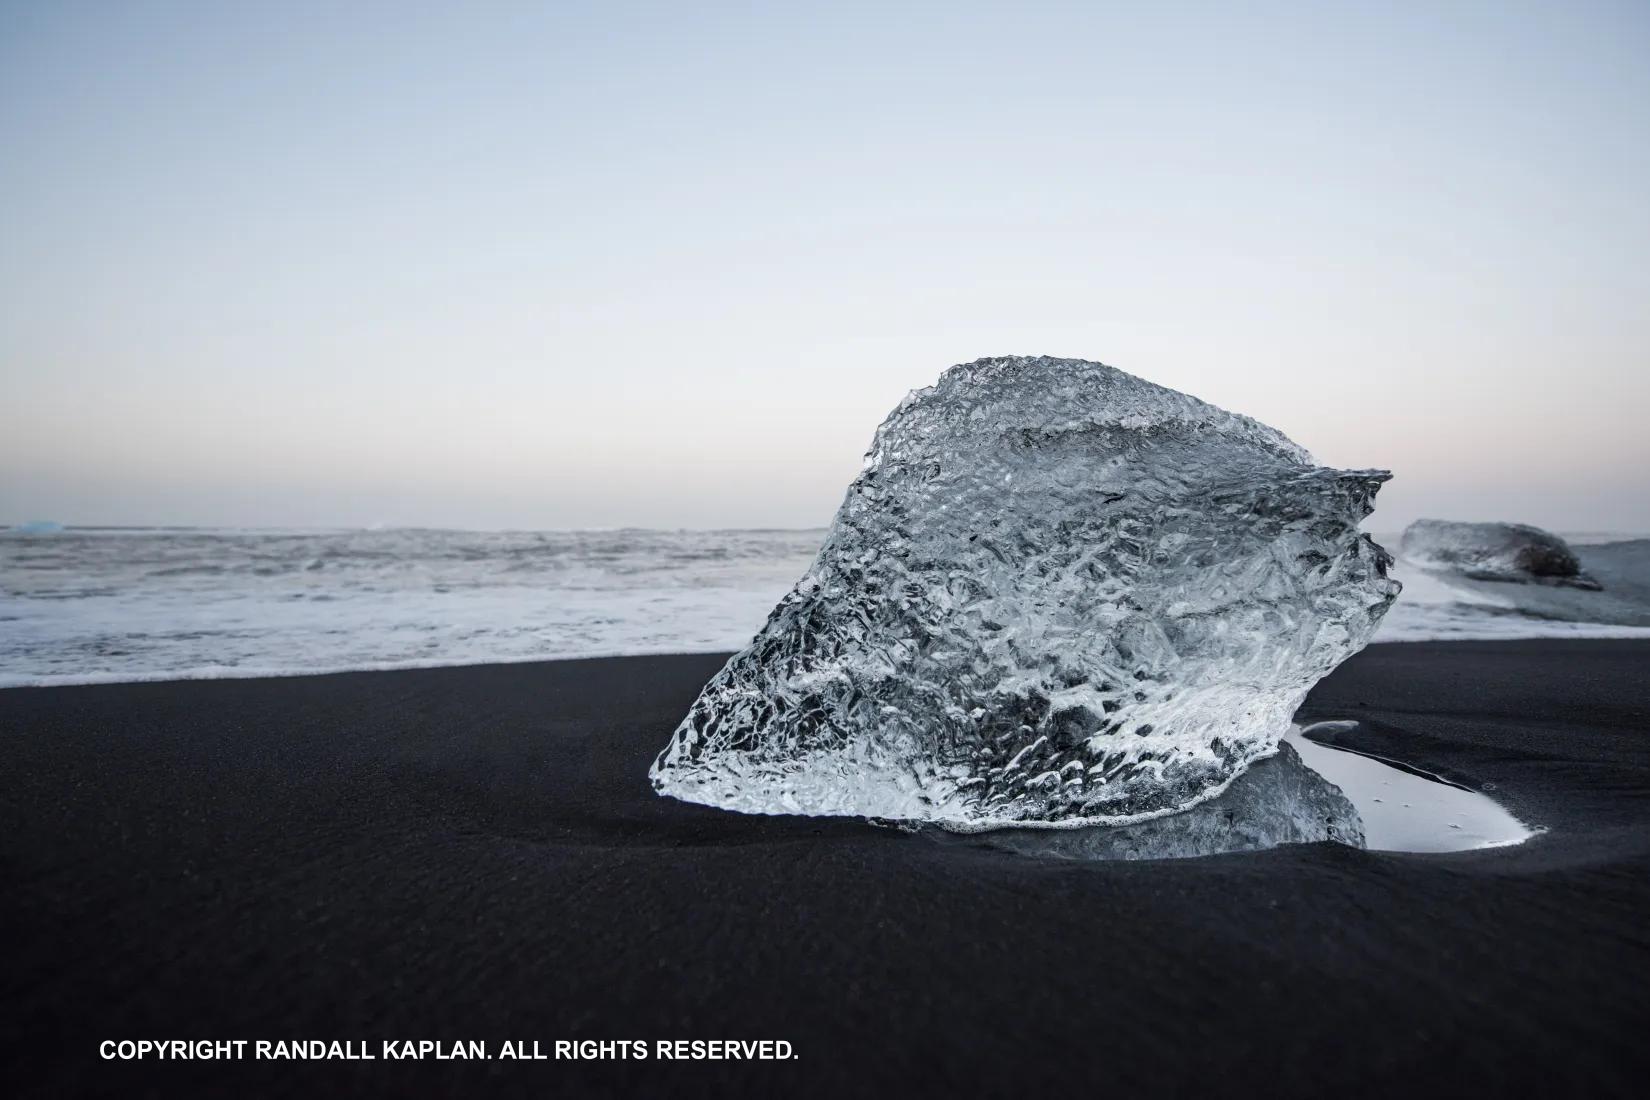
x=1511, y=552
x=1056, y=595
x=1514, y=582
x=38, y=527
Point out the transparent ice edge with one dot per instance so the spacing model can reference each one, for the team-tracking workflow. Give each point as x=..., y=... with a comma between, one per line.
x=737, y=798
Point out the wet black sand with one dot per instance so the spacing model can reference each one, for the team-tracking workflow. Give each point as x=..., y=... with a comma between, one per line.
x=475, y=854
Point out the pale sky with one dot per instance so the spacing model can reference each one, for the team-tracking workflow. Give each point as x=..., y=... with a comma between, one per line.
x=567, y=265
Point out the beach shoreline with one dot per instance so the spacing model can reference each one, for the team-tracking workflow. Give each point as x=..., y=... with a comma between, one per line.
x=138, y=605
x=474, y=853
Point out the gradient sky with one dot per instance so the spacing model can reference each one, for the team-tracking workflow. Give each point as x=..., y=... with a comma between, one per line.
x=561, y=265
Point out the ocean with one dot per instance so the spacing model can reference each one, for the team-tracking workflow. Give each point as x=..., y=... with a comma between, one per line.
x=90, y=605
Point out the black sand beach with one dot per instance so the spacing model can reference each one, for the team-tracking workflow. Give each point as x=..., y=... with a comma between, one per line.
x=475, y=853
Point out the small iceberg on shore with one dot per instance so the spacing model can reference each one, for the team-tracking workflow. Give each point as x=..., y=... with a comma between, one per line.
x=1512, y=553
x=1057, y=595
x=1511, y=580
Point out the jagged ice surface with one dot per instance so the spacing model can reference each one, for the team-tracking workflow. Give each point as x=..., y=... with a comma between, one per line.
x=1056, y=594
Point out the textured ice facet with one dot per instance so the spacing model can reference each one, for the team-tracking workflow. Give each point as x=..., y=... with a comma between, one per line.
x=1056, y=595
x=1276, y=801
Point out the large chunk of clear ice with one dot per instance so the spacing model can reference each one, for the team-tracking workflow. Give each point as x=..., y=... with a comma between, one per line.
x=1056, y=595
